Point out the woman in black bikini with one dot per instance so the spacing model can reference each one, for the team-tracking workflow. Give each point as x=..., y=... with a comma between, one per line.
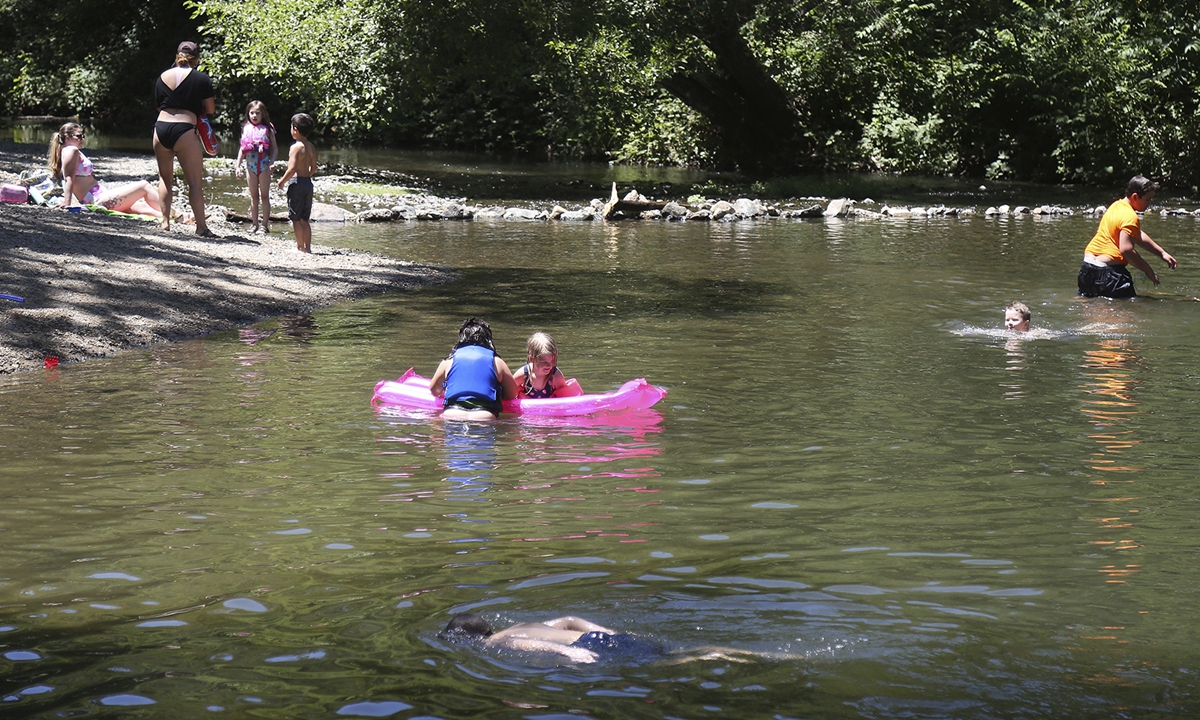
x=182, y=93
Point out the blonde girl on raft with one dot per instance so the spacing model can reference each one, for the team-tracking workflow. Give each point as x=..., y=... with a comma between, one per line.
x=80, y=186
x=540, y=376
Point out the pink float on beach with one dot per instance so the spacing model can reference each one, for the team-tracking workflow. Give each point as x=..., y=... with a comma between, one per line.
x=411, y=390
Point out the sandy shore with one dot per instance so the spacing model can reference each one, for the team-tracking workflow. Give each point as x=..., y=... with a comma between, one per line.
x=95, y=285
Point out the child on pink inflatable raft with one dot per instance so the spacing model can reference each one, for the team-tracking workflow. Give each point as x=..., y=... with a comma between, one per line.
x=481, y=389
x=540, y=377
x=473, y=381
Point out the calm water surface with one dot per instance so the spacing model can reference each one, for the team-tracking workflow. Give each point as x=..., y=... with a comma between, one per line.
x=915, y=515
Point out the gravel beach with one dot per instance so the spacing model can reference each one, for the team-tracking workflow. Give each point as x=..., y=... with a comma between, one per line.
x=95, y=285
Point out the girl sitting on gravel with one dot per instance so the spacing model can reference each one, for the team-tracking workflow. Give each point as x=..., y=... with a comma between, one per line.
x=80, y=187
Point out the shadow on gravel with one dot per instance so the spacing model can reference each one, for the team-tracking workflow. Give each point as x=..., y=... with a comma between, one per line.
x=94, y=285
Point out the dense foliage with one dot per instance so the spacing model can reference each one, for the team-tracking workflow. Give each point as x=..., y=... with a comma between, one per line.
x=95, y=60
x=1056, y=90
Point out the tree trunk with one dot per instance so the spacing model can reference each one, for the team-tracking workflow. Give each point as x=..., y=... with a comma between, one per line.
x=758, y=123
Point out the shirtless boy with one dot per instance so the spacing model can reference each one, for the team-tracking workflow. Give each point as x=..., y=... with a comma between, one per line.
x=302, y=165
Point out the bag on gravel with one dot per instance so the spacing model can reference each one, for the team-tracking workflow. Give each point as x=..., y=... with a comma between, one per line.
x=14, y=193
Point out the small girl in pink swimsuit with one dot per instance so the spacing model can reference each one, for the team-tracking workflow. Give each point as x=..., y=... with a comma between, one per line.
x=258, y=152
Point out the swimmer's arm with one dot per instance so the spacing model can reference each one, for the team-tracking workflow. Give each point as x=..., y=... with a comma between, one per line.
x=528, y=645
x=577, y=624
x=1155, y=248
x=507, y=382
x=1129, y=250
x=437, y=384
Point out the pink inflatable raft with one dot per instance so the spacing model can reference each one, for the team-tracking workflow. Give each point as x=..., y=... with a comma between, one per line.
x=411, y=390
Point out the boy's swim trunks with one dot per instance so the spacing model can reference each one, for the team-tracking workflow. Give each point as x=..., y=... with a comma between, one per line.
x=620, y=647
x=1110, y=281
x=300, y=199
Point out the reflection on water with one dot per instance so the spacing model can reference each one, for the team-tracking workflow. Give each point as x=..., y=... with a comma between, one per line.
x=1111, y=370
x=470, y=456
x=1110, y=385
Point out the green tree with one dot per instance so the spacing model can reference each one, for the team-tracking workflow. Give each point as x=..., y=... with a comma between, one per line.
x=77, y=58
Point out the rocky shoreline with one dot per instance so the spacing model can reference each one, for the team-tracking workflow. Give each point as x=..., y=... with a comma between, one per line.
x=94, y=285
x=403, y=204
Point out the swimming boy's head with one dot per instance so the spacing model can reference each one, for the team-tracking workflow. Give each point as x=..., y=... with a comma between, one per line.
x=466, y=625
x=1016, y=317
x=474, y=331
x=303, y=124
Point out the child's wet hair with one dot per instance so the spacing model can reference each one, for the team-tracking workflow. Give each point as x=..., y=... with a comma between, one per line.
x=1021, y=308
x=474, y=331
x=1140, y=186
x=541, y=344
x=466, y=626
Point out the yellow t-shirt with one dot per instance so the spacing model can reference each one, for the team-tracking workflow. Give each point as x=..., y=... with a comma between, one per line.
x=1119, y=216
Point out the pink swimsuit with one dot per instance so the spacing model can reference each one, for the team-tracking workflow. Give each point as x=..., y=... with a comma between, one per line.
x=83, y=168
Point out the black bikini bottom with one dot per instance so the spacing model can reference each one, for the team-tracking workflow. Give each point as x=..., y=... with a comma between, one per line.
x=170, y=132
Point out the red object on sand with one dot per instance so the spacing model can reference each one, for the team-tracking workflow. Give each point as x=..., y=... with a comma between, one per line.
x=51, y=361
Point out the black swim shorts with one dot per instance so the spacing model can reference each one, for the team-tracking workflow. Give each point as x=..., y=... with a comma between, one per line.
x=1110, y=281
x=620, y=647
x=473, y=403
x=300, y=199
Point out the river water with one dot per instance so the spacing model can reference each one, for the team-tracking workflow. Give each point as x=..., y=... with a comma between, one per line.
x=907, y=512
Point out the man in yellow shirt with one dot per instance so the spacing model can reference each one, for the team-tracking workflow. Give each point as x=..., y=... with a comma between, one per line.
x=1103, y=272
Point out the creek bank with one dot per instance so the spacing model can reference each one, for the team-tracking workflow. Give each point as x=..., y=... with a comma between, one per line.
x=94, y=285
